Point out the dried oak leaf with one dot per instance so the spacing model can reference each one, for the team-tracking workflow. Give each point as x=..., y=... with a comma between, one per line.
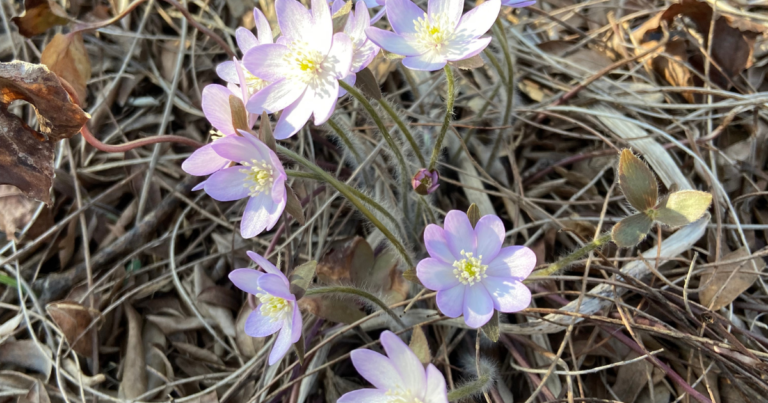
x=39, y=16
x=73, y=319
x=66, y=56
x=26, y=159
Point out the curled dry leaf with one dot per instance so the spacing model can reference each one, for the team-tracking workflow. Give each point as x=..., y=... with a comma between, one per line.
x=9, y=326
x=723, y=286
x=73, y=319
x=66, y=56
x=26, y=159
x=17, y=210
x=134, y=382
x=39, y=16
x=27, y=354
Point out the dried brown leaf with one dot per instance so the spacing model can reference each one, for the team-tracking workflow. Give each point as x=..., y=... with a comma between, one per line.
x=219, y=296
x=732, y=284
x=368, y=84
x=66, y=56
x=293, y=205
x=17, y=210
x=27, y=354
x=420, y=346
x=347, y=261
x=637, y=182
x=198, y=353
x=134, y=382
x=39, y=16
x=73, y=319
x=332, y=308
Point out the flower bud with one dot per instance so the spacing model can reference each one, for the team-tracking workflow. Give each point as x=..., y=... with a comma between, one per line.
x=425, y=181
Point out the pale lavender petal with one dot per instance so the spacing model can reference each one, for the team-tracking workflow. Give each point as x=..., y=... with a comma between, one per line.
x=366, y=395
x=266, y=265
x=267, y=61
x=371, y=3
x=490, y=235
x=261, y=214
x=429, y=61
x=278, y=189
x=392, y=42
x=294, y=19
x=295, y=116
x=459, y=233
x=236, y=148
x=451, y=301
x=263, y=30
x=376, y=369
x=276, y=96
x=339, y=60
x=357, y=22
x=508, y=295
x=246, y=280
x=464, y=50
x=322, y=27
x=274, y=285
x=402, y=14
x=227, y=184
x=296, y=323
x=336, y=5
x=408, y=365
x=351, y=79
x=282, y=343
x=204, y=161
x=450, y=8
x=364, y=55
x=436, y=274
x=199, y=186
x=436, y=391
x=379, y=15
x=478, y=306
x=478, y=20
x=513, y=261
x=437, y=244
x=245, y=39
x=215, y=104
x=258, y=325
x=518, y=3
x=325, y=102
x=226, y=71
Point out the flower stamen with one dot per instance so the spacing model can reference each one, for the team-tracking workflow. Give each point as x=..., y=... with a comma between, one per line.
x=470, y=270
x=402, y=396
x=305, y=63
x=260, y=177
x=275, y=308
x=433, y=31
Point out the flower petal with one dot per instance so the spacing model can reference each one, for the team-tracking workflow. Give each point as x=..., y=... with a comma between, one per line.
x=236, y=148
x=296, y=323
x=402, y=15
x=204, y=161
x=227, y=184
x=376, y=369
x=322, y=27
x=274, y=285
x=294, y=20
x=459, y=233
x=263, y=30
x=258, y=325
x=215, y=104
x=478, y=20
x=266, y=265
x=451, y=301
x=261, y=214
x=267, y=61
x=246, y=280
x=226, y=71
x=408, y=365
x=478, y=306
x=464, y=50
x=518, y=3
x=276, y=96
x=436, y=274
x=351, y=79
x=295, y=116
x=245, y=39
x=508, y=295
x=366, y=395
x=490, y=235
x=282, y=343
x=429, y=61
x=436, y=391
x=437, y=244
x=513, y=261
x=450, y=8
x=392, y=42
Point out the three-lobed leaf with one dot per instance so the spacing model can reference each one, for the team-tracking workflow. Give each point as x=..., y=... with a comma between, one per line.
x=637, y=182
x=301, y=278
x=631, y=230
x=683, y=207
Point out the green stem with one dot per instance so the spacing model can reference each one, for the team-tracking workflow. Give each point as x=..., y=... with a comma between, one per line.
x=360, y=293
x=578, y=254
x=9, y=281
x=510, y=84
x=447, y=118
x=403, y=128
x=470, y=389
x=344, y=189
x=344, y=138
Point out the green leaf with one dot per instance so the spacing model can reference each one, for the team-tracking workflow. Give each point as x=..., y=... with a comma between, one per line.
x=293, y=205
x=637, y=182
x=420, y=346
x=491, y=329
x=301, y=278
x=366, y=82
x=683, y=207
x=299, y=348
x=473, y=213
x=265, y=132
x=332, y=308
x=631, y=230
x=239, y=115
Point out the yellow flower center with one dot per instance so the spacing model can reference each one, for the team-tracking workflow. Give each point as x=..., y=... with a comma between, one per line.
x=435, y=31
x=275, y=308
x=470, y=270
x=260, y=177
x=402, y=396
x=253, y=83
x=305, y=64
x=216, y=135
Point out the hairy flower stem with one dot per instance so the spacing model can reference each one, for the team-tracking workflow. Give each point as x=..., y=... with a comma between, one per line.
x=578, y=254
x=360, y=293
x=509, y=80
x=447, y=118
x=344, y=138
x=470, y=389
x=403, y=128
x=344, y=189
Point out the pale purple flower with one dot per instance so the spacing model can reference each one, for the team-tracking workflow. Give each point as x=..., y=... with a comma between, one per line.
x=277, y=309
x=471, y=272
x=430, y=40
x=260, y=177
x=232, y=71
x=304, y=67
x=518, y=3
x=400, y=377
x=425, y=181
x=363, y=50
